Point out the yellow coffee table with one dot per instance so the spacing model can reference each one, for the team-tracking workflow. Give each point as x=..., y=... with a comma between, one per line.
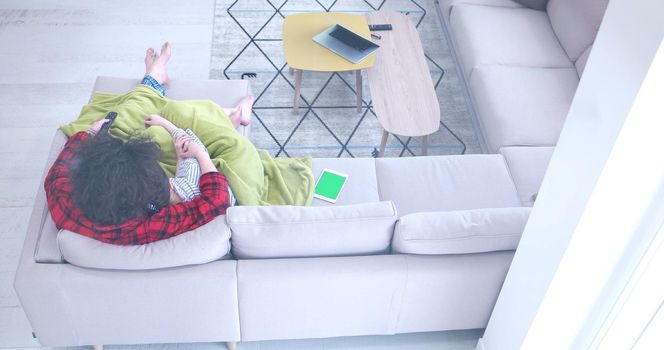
x=303, y=54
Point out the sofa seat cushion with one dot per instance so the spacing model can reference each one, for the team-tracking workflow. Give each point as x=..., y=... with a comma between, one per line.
x=576, y=23
x=460, y=232
x=527, y=166
x=361, y=186
x=447, y=6
x=492, y=35
x=207, y=243
x=442, y=183
x=292, y=231
x=519, y=106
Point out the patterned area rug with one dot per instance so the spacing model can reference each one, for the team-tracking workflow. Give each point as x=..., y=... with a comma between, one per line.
x=247, y=44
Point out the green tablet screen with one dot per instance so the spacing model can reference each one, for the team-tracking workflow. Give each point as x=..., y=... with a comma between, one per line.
x=329, y=185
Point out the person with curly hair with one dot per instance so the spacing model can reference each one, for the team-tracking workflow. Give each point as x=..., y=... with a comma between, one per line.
x=116, y=192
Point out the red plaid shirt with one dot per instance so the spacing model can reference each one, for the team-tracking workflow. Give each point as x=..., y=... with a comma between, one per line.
x=168, y=222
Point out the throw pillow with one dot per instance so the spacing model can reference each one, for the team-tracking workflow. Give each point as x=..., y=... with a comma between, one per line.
x=293, y=231
x=460, y=232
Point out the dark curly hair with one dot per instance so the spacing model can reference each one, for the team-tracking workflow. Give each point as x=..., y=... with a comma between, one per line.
x=114, y=181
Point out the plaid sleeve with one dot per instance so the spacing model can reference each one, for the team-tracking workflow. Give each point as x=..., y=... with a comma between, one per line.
x=186, y=216
x=57, y=184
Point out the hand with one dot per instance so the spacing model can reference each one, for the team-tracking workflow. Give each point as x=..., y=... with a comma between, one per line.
x=96, y=126
x=184, y=148
x=154, y=119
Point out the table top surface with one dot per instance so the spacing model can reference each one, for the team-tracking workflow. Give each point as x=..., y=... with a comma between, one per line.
x=303, y=53
x=400, y=83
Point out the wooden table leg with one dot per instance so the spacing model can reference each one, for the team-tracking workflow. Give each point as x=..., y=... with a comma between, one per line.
x=383, y=142
x=298, y=85
x=358, y=89
x=425, y=145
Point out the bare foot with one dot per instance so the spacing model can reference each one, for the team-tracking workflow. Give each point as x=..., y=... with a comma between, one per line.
x=245, y=109
x=158, y=68
x=150, y=56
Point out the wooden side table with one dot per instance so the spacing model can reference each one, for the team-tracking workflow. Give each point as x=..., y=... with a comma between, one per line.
x=303, y=54
x=402, y=91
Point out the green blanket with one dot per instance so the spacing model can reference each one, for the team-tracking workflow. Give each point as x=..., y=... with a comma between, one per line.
x=254, y=176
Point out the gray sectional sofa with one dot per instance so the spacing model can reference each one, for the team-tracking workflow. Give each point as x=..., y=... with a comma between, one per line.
x=522, y=67
x=413, y=244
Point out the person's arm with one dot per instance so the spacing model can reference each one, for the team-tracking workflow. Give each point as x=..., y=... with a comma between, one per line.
x=157, y=120
x=186, y=216
x=57, y=183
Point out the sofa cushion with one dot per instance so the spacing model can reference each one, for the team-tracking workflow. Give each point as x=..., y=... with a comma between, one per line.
x=527, y=166
x=291, y=231
x=447, y=6
x=205, y=244
x=575, y=23
x=361, y=186
x=519, y=106
x=492, y=35
x=539, y=5
x=460, y=232
x=580, y=63
x=420, y=184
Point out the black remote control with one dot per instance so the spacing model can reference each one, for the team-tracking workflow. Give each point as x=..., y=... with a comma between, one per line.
x=377, y=27
x=107, y=126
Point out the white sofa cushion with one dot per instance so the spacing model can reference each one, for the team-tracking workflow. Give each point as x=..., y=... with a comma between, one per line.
x=460, y=232
x=207, y=243
x=575, y=23
x=527, y=166
x=493, y=35
x=580, y=63
x=419, y=184
x=519, y=106
x=361, y=186
x=292, y=231
x=446, y=6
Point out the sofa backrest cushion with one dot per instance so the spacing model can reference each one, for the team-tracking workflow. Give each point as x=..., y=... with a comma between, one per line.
x=575, y=23
x=207, y=243
x=292, y=231
x=460, y=232
x=539, y=5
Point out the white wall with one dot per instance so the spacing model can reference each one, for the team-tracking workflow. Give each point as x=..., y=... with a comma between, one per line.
x=538, y=308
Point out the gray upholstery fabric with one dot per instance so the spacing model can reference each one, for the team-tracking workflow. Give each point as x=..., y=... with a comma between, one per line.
x=361, y=186
x=522, y=106
x=207, y=243
x=527, y=166
x=451, y=291
x=69, y=306
x=493, y=35
x=320, y=297
x=539, y=5
x=576, y=22
x=420, y=184
x=291, y=231
x=447, y=6
x=460, y=232
x=580, y=64
x=46, y=249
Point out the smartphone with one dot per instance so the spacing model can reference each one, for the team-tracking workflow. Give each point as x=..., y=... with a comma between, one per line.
x=107, y=126
x=329, y=185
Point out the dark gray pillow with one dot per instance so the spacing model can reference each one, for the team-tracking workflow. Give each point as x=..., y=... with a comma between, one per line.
x=533, y=4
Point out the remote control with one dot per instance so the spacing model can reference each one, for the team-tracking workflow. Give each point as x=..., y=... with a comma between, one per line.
x=107, y=126
x=377, y=27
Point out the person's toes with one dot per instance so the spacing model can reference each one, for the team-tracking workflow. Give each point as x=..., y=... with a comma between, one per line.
x=149, y=58
x=245, y=109
x=165, y=53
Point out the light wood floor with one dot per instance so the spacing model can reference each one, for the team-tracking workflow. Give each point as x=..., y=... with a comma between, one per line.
x=51, y=51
